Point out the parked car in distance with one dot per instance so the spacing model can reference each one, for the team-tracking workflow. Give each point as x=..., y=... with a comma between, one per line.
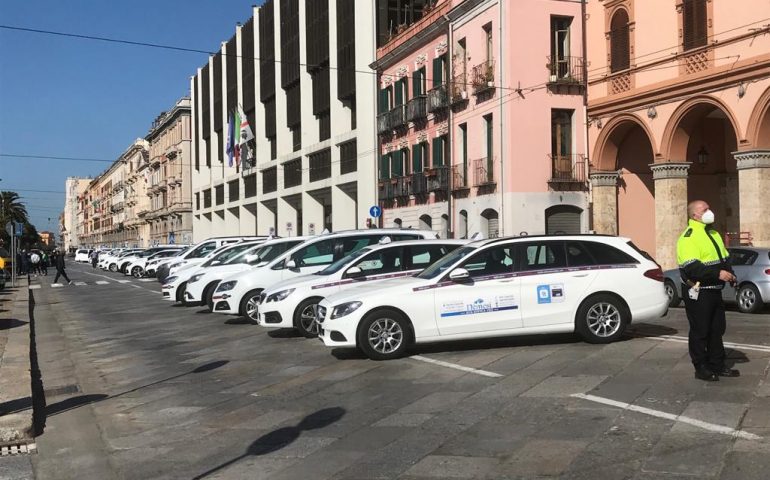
x=198, y=252
x=82, y=255
x=593, y=285
x=752, y=268
x=293, y=303
x=237, y=292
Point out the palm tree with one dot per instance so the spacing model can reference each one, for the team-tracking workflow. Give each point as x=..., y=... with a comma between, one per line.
x=11, y=208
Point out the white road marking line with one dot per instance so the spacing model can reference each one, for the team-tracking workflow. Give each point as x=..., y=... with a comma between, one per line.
x=80, y=284
x=123, y=281
x=484, y=373
x=147, y=280
x=34, y=287
x=102, y=282
x=56, y=285
x=677, y=339
x=712, y=427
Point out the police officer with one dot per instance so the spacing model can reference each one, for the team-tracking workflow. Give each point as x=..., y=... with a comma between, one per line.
x=704, y=263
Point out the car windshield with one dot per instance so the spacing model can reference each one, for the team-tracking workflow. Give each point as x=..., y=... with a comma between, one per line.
x=268, y=253
x=225, y=255
x=340, y=264
x=439, y=267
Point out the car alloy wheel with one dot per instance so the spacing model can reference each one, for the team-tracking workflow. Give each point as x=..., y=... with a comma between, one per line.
x=749, y=300
x=672, y=294
x=603, y=319
x=252, y=307
x=305, y=317
x=136, y=272
x=113, y=267
x=385, y=336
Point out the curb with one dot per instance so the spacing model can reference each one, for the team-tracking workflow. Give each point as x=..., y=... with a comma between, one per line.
x=16, y=412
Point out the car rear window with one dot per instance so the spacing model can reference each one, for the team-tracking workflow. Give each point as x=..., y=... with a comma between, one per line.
x=641, y=252
x=739, y=256
x=608, y=255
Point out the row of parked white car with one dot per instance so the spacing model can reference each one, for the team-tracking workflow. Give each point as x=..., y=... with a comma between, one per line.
x=383, y=290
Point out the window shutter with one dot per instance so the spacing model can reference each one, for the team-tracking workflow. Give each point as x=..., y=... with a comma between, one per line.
x=399, y=93
x=438, y=74
x=383, y=100
x=415, y=83
x=396, y=163
x=620, y=47
x=417, y=158
x=385, y=166
x=438, y=153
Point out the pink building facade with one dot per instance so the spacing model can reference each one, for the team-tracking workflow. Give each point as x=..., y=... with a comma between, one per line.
x=481, y=117
x=679, y=99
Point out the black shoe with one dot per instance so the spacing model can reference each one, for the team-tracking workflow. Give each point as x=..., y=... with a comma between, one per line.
x=727, y=372
x=703, y=373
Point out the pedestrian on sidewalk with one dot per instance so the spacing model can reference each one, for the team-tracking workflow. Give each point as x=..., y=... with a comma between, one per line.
x=44, y=263
x=34, y=260
x=59, y=263
x=704, y=265
x=24, y=263
x=94, y=258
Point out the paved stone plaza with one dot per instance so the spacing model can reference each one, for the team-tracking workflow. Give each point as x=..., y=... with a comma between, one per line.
x=138, y=388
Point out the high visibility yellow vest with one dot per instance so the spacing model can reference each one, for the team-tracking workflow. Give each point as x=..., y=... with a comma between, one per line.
x=695, y=245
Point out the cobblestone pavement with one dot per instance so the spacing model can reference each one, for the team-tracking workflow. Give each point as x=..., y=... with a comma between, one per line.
x=139, y=388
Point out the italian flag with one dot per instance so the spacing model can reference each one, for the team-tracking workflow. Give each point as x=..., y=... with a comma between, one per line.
x=237, y=130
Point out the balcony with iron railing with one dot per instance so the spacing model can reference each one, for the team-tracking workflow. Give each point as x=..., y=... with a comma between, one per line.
x=483, y=76
x=397, y=117
x=568, y=172
x=385, y=190
x=460, y=178
x=382, y=123
x=437, y=99
x=438, y=178
x=117, y=207
x=484, y=172
x=417, y=109
x=457, y=89
x=567, y=71
x=418, y=184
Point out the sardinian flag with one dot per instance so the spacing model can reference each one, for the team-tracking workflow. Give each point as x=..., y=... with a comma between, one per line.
x=244, y=133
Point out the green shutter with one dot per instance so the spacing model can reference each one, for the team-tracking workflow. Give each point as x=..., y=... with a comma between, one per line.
x=437, y=154
x=417, y=158
x=438, y=72
x=383, y=100
x=397, y=163
x=416, y=83
x=385, y=166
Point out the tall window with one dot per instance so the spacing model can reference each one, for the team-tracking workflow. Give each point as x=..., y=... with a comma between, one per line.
x=620, y=44
x=488, y=42
x=560, y=47
x=401, y=94
x=440, y=151
x=695, y=24
x=439, y=70
x=418, y=82
x=561, y=141
x=419, y=156
x=464, y=151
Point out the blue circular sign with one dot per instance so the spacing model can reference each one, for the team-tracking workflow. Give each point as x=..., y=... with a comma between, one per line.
x=375, y=211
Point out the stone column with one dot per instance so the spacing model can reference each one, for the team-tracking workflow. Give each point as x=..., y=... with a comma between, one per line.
x=753, y=184
x=670, y=209
x=604, y=191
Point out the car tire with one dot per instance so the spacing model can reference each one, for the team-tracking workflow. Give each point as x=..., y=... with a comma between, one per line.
x=673, y=295
x=749, y=299
x=136, y=272
x=180, y=292
x=303, y=322
x=113, y=267
x=208, y=295
x=601, y=318
x=245, y=306
x=384, y=335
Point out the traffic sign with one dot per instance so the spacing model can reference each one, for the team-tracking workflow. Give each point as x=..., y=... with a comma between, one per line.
x=19, y=229
x=375, y=211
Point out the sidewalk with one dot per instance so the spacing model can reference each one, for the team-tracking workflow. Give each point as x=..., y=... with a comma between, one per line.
x=16, y=421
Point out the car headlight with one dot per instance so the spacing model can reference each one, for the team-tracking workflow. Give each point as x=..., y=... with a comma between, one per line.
x=171, y=280
x=345, y=309
x=225, y=286
x=174, y=265
x=195, y=278
x=278, y=296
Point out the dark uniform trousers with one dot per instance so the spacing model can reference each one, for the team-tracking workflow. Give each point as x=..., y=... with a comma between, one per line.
x=706, y=316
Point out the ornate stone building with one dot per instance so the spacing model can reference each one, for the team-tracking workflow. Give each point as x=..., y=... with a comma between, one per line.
x=679, y=99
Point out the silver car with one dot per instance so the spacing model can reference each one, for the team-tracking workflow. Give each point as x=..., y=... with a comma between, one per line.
x=751, y=266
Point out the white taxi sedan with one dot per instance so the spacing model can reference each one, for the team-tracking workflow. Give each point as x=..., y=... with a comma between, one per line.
x=590, y=284
x=201, y=285
x=292, y=303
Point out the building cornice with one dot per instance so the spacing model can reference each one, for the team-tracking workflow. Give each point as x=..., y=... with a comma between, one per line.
x=669, y=170
x=745, y=160
x=179, y=109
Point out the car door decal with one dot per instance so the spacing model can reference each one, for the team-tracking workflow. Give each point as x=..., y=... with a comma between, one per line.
x=479, y=305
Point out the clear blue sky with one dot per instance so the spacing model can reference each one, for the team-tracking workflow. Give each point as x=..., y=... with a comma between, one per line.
x=71, y=97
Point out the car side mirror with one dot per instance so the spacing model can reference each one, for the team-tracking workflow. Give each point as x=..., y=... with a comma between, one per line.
x=459, y=275
x=251, y=259
x=215, y=262
x=354, y=272
x=291, y=264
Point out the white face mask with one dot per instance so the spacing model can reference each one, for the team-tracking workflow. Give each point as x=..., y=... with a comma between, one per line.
x=707, y=217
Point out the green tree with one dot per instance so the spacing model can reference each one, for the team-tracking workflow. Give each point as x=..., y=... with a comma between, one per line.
x=11, y=209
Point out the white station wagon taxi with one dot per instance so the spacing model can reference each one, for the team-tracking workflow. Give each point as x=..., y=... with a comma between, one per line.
x=590, y=284
x=292, y=303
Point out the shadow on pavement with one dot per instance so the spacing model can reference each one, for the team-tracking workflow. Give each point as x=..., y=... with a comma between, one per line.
x=16, y=405
x=240, y=321
x=282, y=437
x=283, y=333
x=650, y=330
x=72, y=403
x=9, y=323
